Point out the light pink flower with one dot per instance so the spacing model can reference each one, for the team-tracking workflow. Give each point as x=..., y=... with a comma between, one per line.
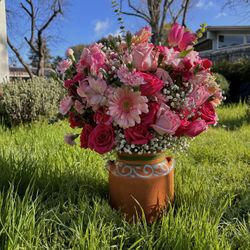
x=171, y=57
x=126, y=106
x=142, y=36
x=69, y=52
x=70, y=139
x=179, y=37
x=64, y=65
x=65, y=105
x=79, y=107
x=145, y=57
x=164, y=76
x=92, y=58
x=94, y=90
x=129, y=78
x=199, y=96
x=167, y=122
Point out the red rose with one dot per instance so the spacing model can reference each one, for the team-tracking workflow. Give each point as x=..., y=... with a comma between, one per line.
x=206, y=64
x=138, y=135
x=153, y=84
x=101, y=117
x=70, y=82
x=149, y=118
x=208, y=113
x=84, y=138
x=191, y=129
x=75, y=120
x=102, y=138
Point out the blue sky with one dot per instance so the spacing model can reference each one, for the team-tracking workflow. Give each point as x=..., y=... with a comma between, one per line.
x=87, y=21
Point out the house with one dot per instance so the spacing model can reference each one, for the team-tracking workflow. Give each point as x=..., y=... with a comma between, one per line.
x=225, y=43
x=17, y=73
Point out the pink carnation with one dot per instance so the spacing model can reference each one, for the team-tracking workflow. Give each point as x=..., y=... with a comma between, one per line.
x=129, y=78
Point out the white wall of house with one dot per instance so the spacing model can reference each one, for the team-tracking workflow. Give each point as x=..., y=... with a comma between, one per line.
x=4, y=67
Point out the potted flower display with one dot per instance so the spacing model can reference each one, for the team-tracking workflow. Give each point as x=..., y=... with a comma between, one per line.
x=139, y=99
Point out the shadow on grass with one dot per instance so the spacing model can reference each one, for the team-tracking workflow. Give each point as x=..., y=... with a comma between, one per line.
x=52, y=184
x=234, y=124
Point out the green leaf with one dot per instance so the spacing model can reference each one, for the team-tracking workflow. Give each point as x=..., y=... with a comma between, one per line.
x=185, y=53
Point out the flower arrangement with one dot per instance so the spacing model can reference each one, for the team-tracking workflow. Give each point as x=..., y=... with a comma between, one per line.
x=129, y=95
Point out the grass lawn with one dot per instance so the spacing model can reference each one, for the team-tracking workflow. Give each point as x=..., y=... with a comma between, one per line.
x=53, y=196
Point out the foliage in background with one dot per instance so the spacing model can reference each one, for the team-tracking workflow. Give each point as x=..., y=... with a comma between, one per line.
x=238, y=74
x=223, y=82
x=26, y=101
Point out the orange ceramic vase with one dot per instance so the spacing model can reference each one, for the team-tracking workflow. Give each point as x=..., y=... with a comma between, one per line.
x=141, y=182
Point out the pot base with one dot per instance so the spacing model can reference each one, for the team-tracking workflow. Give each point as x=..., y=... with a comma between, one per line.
x=134, y=194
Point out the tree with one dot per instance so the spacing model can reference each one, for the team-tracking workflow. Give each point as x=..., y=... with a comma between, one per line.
x=34, y=57
x=155, y=13
x=78, y=50
x=40, y=15
x=240, y=8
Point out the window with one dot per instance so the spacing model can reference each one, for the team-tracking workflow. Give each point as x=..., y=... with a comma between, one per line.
x=227, y=41
x=203, y=46
x=248, y=38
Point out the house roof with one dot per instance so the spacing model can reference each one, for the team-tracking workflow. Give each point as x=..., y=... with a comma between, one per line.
x=223, y=28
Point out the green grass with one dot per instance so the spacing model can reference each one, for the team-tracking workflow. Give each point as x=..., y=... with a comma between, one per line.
x=53, y=196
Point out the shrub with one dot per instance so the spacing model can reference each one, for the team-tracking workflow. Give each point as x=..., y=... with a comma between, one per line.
x=26, y=101
x=223, y=82
x=238, y=74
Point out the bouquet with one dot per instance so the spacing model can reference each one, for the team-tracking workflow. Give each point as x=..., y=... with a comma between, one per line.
x=129, y=95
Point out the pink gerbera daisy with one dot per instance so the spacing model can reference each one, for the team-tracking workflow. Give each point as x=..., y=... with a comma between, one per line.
x=126, y=106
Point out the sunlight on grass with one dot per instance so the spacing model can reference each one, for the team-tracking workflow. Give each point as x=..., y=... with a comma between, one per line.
x=53, y=196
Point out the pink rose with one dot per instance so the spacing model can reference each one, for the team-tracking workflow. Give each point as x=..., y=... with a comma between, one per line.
x=191, y=129
x=138, y=135
x=144, y=57
x=64, y=65
x=208, y=113
x=65, y=105
x=167, y=122
x=153, y=84
x=69, y=52
x=84, y=137
x=102, y=138
x=149, y=118
x=179, y=37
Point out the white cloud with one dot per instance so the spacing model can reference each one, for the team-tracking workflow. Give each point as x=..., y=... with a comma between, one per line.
x=101, y=26
x=115, y=33
x=221, y=14
x=204, y=5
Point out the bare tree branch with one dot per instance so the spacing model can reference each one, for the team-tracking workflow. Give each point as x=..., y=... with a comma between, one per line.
x=185, y=12
x=18, y=55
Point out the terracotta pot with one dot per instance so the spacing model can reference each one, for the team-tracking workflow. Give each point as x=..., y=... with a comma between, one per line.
x=141, y=182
